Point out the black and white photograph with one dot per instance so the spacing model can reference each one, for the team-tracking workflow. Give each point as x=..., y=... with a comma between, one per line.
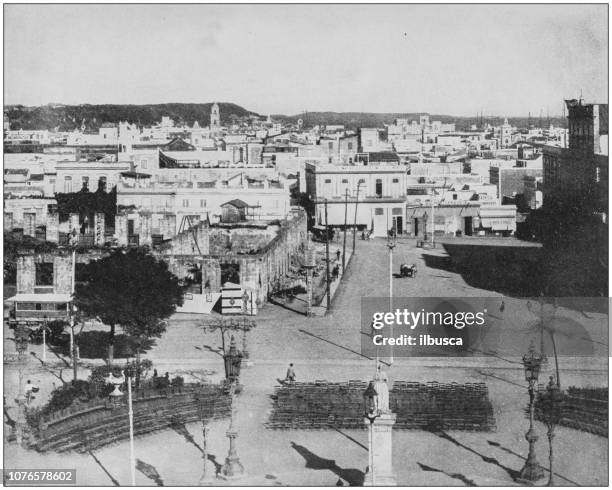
x=312, y=245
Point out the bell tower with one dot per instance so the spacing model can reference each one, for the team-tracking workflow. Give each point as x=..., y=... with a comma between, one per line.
x=215, y=120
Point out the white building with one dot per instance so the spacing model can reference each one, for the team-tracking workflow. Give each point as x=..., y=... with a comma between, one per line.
x=380, y=201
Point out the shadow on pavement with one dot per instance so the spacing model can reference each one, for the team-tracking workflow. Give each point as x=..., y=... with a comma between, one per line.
x=456, y=476
x=514, y=474
x=510, y=451
x=353, y=476
x=99, y=463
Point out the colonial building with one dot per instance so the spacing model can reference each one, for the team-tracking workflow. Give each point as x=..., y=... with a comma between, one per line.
x=376, y=193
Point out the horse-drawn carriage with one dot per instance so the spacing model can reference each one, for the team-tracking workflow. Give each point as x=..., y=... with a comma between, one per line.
x=408, y=270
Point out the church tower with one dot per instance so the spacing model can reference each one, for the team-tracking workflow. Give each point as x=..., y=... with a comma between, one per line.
x=215, y=120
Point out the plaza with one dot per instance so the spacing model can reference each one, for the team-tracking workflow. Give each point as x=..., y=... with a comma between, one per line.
x=329, y=348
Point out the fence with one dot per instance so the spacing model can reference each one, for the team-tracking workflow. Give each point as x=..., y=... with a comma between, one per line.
x=88, y=425
x=581, y=413
x=429, y=406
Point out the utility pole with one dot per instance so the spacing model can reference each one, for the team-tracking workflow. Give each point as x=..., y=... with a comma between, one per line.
x=131, y=420
x=327, y=292
x=355, y=221
x=345, y=224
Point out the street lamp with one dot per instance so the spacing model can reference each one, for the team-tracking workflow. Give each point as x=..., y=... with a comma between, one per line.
x=202, y=400
x=532, y=362
x=552, y=411
x=22, y=335
x=370, y=399
x=129, y=374
x=233, y=467
x=233, y=362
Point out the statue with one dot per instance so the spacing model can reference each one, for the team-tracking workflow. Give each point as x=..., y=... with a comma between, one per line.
x=380, y=385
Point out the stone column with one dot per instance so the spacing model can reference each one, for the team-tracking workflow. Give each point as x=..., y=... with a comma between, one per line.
x=8, y=221
x=171, y=225
x=145, y=230
x=73, y=223
x=99, y=229
x=203, y=238
x=53, y=227
x=62, y=274
x=26, y=274
x=29, y=224
x=381, y=460
x=121, y=229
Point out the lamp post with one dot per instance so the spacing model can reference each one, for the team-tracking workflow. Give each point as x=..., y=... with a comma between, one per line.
x=204, y=476
x=22, y=334
x=44, y=336
x=532, y=362
x=355, y=221
x=391, y=243
x=129, y=374
x=551, y=402
x=233, y=467
x=371, y=413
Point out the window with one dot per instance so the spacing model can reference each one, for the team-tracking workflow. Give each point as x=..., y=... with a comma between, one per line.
x=68, y=183
x=44, y=274
x=345, y=181
x=102, y=182
x=379, y=211
x=350, y=145
x=328, y=181
x=143, y=163
x=379, y=189
x=185, y=203
x=454, y=197
x=330, y=145
x=396, y=181
x=85, y=182
x=202, y=203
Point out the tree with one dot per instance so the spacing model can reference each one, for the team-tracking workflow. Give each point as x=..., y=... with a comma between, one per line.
x=131, y=289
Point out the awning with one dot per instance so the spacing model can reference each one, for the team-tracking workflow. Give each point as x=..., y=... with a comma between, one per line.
x=40, y=298
x=500, y=224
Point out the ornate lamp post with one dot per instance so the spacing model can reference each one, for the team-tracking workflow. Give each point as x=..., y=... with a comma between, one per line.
x=371, y=413
x=233, y=467
x=130, y=371
x=204, y=476
x=532, y=362
x=22, y=335
x=552, y=406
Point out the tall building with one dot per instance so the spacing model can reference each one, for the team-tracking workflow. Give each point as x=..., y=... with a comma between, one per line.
x=215, y=119
x=582, y=169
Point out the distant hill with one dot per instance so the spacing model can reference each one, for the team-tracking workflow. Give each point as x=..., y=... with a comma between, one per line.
x=353, y=120
x=69, y=117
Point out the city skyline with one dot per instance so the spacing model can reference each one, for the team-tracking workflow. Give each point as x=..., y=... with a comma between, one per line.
x=339, y=58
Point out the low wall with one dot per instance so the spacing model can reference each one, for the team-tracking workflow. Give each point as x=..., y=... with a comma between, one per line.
x=96, y=423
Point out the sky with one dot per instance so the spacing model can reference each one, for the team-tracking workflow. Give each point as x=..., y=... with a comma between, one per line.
x=284, y=59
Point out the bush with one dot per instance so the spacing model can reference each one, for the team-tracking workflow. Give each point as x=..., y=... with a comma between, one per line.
x=55, y=329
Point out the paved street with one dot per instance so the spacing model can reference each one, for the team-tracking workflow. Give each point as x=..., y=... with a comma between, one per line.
x=329, y=348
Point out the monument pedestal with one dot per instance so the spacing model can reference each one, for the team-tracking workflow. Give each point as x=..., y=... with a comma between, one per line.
x=232, y=469
x=380, y=465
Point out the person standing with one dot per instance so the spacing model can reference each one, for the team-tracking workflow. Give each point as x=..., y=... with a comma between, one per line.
x=290, y=374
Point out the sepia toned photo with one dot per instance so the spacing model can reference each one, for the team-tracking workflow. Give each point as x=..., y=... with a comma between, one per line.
x=305, y=245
